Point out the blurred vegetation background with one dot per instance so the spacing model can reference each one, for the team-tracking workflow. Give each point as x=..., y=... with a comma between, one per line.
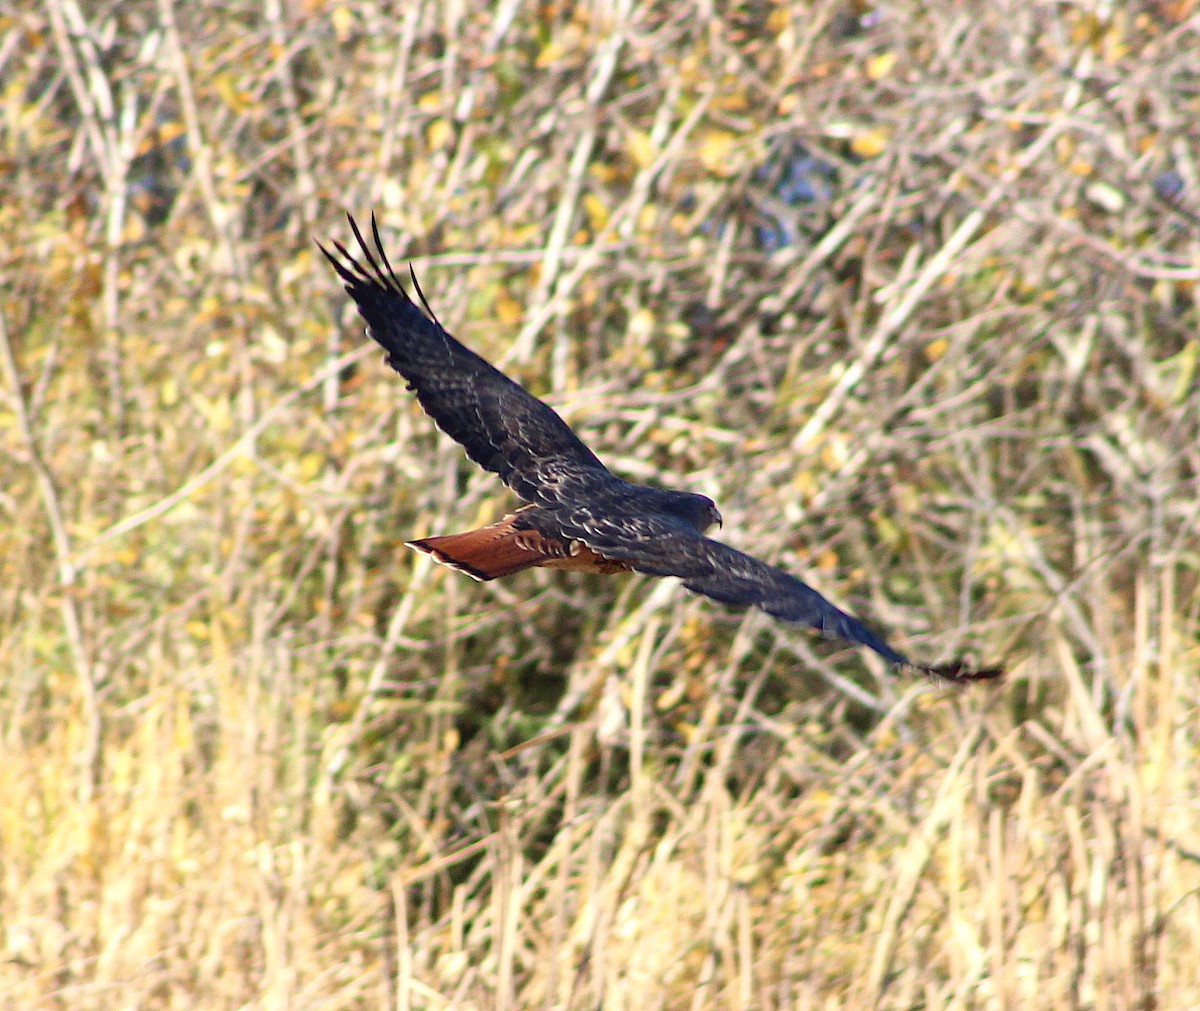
x=909, y=288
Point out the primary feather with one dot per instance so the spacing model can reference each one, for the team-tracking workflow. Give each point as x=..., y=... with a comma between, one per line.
x=503, y=428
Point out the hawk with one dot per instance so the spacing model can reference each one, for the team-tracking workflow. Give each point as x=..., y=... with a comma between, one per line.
x=578, y=515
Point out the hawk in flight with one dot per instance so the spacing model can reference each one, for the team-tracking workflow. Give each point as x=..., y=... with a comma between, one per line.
x=578, y=514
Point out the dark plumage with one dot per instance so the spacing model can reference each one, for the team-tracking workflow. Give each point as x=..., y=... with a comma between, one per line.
x=579, y=514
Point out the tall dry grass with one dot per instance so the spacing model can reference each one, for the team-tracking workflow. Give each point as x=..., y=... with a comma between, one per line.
x=909, y=289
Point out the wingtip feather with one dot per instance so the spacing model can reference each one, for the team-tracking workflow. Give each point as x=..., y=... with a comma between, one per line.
x=960, y=672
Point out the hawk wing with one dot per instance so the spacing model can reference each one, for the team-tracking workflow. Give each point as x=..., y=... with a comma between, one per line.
x=657, y=544
x=502, y=427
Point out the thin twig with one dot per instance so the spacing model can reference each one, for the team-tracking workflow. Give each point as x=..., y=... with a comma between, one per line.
x=68, y=572
x=242, y=447
x=937, y=266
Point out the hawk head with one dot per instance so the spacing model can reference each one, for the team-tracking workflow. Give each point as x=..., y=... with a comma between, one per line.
x=698, y=510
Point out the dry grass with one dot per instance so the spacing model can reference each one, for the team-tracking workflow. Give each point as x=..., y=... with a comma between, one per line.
x=255, y=755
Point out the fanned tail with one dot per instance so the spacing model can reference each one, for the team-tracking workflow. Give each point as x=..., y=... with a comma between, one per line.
x=507, y=547
x=487, y=553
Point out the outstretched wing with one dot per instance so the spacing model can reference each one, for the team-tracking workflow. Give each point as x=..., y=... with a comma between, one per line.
x=658, y=545
x=719, y=571
x=732, y=577
x=502, y=427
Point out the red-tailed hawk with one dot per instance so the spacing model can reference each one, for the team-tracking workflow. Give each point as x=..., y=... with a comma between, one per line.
x=578, y=514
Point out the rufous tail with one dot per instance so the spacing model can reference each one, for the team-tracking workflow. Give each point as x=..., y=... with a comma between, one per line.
x=487, y=553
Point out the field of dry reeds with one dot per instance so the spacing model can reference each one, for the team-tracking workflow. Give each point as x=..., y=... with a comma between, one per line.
x=909, y=289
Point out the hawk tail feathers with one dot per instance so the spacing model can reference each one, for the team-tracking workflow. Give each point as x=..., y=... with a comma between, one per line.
x=505, y=547
x=487, y=553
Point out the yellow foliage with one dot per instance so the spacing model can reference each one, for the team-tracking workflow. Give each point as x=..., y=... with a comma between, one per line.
x=881, y=65
x=508, y=310
x=717, y=148
x=935, y=350
x=236, y=99
x=871, y=143
x=342, y=18
x=198, y=630
x=551, y=53
x=597, y=213
x=439, y=134
x=641, y=149
x=310, y=465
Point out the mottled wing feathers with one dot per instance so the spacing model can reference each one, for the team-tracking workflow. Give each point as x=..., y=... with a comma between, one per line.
x=503, y=428
x=657, y=544
x=725, y=574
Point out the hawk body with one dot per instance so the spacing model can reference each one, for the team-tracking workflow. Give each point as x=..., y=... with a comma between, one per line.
x=579, y=515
